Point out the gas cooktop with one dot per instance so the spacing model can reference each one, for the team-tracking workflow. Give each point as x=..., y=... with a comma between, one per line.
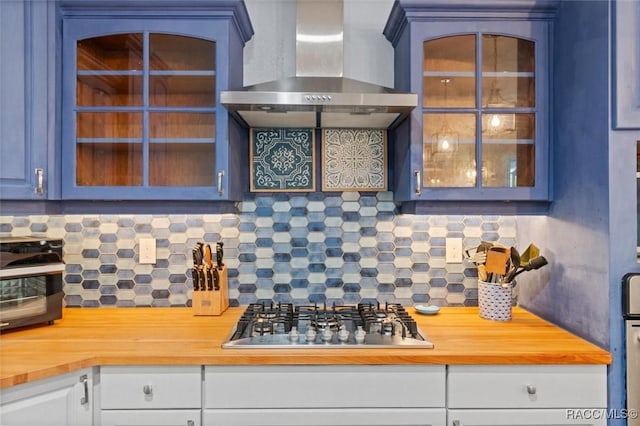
x=284, y=325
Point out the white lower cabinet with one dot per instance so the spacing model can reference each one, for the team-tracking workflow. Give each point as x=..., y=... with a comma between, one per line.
x=325, y=395
x=65, y=400
x=496, y=395
x=306, y=395
x=150, y=395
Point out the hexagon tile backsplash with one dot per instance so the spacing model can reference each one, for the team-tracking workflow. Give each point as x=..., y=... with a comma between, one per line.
x=317, y=247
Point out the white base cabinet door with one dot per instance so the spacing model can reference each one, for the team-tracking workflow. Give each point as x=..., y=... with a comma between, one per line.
x=551, y=417
x=58, y=401
x=151, y=418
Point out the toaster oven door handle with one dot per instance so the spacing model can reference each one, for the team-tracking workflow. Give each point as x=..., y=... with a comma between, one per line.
x=29, y=271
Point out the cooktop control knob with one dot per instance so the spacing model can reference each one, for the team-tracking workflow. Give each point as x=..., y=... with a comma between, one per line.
x=310, y=335
x=343, y=334
x=359, y=334
x=327, y=334
x=294, y=336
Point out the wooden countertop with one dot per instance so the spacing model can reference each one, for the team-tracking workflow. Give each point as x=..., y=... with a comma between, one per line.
x=88, y=337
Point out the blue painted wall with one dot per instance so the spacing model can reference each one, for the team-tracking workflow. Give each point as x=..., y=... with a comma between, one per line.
x=589, y=236
x=573, y=290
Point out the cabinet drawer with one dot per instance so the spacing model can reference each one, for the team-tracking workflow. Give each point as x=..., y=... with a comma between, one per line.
x=150, y=417
x=326, y=416
x=335, y=386
x=527, y=386
x=129, y=387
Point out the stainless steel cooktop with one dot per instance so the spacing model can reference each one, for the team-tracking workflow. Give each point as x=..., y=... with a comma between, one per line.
x=284, y=325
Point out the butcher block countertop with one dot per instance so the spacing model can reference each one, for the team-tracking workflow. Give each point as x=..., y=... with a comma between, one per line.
x=88, y=337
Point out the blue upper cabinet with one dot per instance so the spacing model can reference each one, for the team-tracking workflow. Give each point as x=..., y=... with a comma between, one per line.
x=27, y=82
x=481, y=134
x=141, y=118
x=626, y=77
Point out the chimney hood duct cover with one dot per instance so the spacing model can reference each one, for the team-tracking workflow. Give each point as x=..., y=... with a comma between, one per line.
x=319, y=95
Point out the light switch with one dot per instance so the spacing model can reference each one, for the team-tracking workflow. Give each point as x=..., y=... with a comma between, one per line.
x=147, y=250
x=453, y=249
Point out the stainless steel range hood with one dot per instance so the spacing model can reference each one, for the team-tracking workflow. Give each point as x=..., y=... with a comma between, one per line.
x=319, y=95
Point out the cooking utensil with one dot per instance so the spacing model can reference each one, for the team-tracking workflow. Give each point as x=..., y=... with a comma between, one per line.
x=535, y=263
x=475, y=256
x=514, y=258
x=482, y=273
x=484, y=246
x=498, y=259
x=529, y=253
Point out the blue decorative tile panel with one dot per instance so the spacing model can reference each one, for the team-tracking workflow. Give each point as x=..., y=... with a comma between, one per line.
x=354, y=160
x=282, y=160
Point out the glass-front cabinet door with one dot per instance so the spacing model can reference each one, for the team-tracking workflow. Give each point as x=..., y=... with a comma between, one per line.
x=479, y=118
x=481, y=131
x=140, y=113
x=145, y=96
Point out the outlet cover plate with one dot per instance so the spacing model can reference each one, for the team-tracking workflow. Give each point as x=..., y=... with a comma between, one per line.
x=453, y=249
x=147, y=250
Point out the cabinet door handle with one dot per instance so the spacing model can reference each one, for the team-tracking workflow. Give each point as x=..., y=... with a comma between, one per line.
x=220, y=176
x=417, y=174
x=191, y=423
x=531, y=389
x=39, y=181
x=455, y=423
x=85, y=384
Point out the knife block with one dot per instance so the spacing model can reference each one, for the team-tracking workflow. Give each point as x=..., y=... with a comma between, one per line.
x=212, y=302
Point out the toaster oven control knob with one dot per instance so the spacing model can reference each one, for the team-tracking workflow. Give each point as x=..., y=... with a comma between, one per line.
x=294, y=336
x=343, y=334
x=359, y=334
x=310, y=335
x=327, y=334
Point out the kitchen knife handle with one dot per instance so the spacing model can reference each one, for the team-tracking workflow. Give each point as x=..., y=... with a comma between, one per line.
x=216, y=279
x=195, y=277
x=209, y=279
x=417, y=174
x=220, y=188
x=219, y=254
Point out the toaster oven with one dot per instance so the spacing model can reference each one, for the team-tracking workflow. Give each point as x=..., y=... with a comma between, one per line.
x=30, y=281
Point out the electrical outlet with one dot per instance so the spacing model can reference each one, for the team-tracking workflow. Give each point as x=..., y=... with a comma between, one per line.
x=147, y=250
x=453, y=250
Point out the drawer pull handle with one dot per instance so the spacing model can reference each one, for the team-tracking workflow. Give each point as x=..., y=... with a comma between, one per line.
x=190, y=423
x=455, y=423
x=147, y=390
x=85, y=384
x=531, y=390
